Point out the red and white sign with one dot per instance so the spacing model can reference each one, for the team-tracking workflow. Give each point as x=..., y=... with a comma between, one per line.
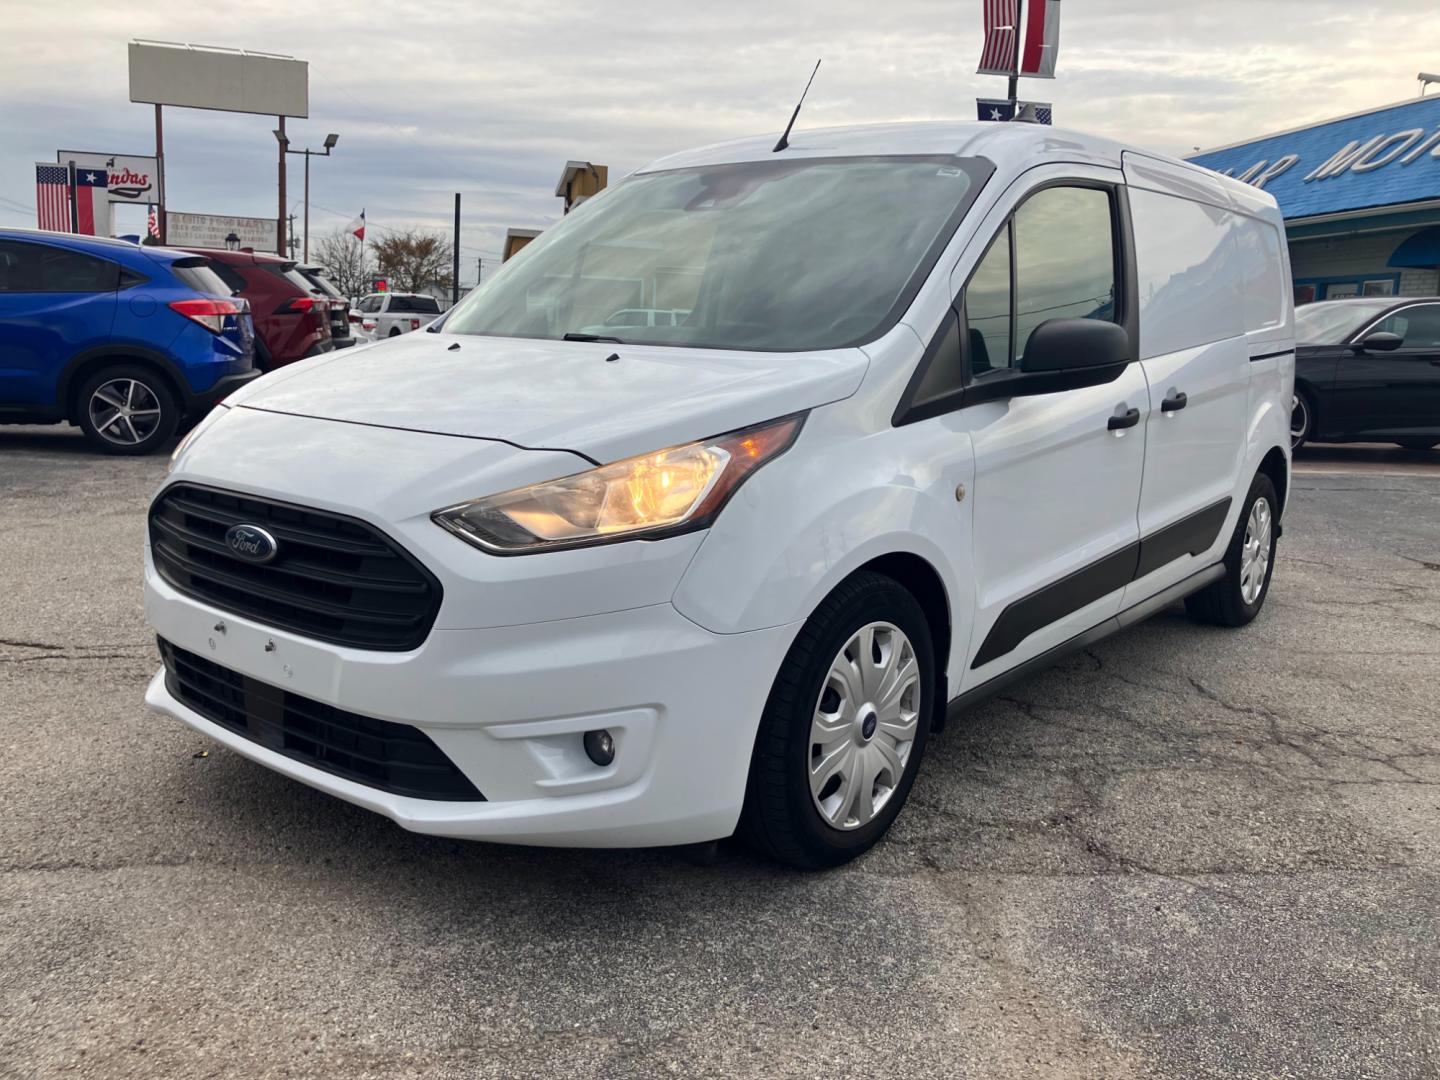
x=129, y=179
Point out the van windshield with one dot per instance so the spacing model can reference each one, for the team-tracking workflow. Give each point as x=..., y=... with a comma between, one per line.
x=775, y=255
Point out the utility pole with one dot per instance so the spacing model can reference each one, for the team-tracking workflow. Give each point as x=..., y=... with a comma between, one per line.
x=455, y=256
x=479, y=271
x=292, y=236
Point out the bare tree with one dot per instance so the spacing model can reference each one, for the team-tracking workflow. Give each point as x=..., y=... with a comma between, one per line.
x=346, y=262
x=414, y=260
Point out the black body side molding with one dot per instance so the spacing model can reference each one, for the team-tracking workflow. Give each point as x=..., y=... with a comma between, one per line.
x=1129, y=617
x=1021, y=618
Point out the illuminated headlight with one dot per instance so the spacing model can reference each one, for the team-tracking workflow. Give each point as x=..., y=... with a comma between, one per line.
x=193, y=434
x=654, y=495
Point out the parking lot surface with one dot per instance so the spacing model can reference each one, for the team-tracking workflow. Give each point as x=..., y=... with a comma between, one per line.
x=1185, y=852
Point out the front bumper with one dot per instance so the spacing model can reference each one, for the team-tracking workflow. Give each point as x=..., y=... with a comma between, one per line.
x=509, y=706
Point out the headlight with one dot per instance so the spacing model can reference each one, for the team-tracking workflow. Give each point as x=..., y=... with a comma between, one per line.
x=654, y=495
x=194, y=433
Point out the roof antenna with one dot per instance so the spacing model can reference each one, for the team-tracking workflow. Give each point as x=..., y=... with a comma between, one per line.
x=785, y=138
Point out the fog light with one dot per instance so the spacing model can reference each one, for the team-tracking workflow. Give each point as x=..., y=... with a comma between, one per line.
x=599, y=747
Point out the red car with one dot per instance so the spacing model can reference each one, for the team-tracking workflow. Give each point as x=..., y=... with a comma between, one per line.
x=292, y=316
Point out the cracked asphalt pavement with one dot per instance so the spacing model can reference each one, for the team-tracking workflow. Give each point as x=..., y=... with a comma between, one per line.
x=1186, y=852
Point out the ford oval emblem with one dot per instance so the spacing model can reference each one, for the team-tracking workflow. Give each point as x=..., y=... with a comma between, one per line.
x=251, y=543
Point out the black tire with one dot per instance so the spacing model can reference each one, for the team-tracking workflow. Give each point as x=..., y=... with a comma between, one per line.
x=1304, y=405
x=394, y=331
x=1223, y=603
x=1417, y=444
x=780, y=818
x=146, y=431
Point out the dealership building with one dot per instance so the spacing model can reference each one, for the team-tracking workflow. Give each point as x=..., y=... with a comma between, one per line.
x=1360, y=196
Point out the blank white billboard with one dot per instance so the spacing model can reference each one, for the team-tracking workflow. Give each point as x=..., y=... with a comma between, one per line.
x=208, y=77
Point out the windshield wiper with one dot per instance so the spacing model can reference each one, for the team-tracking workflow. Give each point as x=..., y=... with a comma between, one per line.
x=591, y=337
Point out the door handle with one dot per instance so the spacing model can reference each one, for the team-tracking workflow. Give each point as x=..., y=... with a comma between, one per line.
x=1174, y=404
x=1128, y=419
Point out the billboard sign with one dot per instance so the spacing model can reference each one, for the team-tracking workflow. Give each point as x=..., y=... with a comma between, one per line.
x=130, y=179
x=210, y=230
x=207, y=77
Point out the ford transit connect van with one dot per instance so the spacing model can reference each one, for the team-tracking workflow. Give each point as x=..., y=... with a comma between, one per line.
x=945, y=402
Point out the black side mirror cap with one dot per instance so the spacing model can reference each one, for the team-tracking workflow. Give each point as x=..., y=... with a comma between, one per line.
x=1062, y=344
x=1381, y=341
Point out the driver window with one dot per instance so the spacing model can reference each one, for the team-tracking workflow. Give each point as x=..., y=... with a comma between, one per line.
x=1418, y=327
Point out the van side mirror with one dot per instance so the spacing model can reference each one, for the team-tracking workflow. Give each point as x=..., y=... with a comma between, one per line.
x=1381, y=341
x=1063, y=344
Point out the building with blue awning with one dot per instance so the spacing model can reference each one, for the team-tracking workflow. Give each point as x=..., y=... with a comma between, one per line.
x=1360, y=195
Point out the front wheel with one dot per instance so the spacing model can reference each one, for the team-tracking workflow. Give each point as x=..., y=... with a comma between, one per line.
x=127, y=409
x=1249, y=561
x=844, y=729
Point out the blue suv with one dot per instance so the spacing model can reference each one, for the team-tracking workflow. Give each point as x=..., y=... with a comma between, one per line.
x=123, y=341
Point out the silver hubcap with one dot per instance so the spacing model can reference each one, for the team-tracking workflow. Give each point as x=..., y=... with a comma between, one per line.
x=864, y=726
x=1255, y=555
x=1299, y=420
x=125, y=411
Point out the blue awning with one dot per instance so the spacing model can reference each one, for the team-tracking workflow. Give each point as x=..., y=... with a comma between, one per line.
x=1420, y=251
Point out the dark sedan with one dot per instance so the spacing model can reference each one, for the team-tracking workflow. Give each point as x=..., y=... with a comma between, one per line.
x=1368, y=370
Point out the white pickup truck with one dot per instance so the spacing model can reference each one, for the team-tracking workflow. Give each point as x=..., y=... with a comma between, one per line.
x=385, y=315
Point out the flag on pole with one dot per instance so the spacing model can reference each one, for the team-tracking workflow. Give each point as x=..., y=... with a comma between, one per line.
x=356, y=228
x=152, y=222
x=92, y=201
x=52, y=197
x=1042, y=38
x=1002, y=23
x=1003, y=109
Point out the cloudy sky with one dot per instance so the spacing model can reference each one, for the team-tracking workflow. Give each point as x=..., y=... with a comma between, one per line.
x=490, y=98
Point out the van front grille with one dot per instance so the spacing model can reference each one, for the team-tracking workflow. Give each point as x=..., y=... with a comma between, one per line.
x=332, y=578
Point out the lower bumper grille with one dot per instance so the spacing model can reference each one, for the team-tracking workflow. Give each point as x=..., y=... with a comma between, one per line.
x=380, y=754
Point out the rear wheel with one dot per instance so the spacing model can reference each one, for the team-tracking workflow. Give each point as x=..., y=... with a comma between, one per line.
x=1249, y=561
x=844, y=729
x=1302, y=419
x=127, y=409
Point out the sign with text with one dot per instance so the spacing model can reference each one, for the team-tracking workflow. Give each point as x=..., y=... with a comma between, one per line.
x=210, y=230
x=130, y=179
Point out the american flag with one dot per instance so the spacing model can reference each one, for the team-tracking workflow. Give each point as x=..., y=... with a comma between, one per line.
x=152, y=223
x=52, y=196
x=1036, y=54
x=1002, y=23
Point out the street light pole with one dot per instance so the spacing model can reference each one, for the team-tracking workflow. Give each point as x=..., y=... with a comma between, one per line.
x=329, y=144
x=280, y=217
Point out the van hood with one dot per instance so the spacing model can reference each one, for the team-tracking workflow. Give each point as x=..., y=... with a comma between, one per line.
x=560, y=395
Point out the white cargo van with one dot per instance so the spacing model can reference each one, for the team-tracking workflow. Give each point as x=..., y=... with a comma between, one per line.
x=945, y=402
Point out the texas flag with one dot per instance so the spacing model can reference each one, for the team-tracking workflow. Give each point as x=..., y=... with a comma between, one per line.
x=356, y=228
x=92, y=201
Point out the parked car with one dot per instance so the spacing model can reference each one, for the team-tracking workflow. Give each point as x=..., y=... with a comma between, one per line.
x=122, y=341
x=340, y=333
x=390, y=314
x=952, y=401
x=1368, y=370
x=292, y=315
